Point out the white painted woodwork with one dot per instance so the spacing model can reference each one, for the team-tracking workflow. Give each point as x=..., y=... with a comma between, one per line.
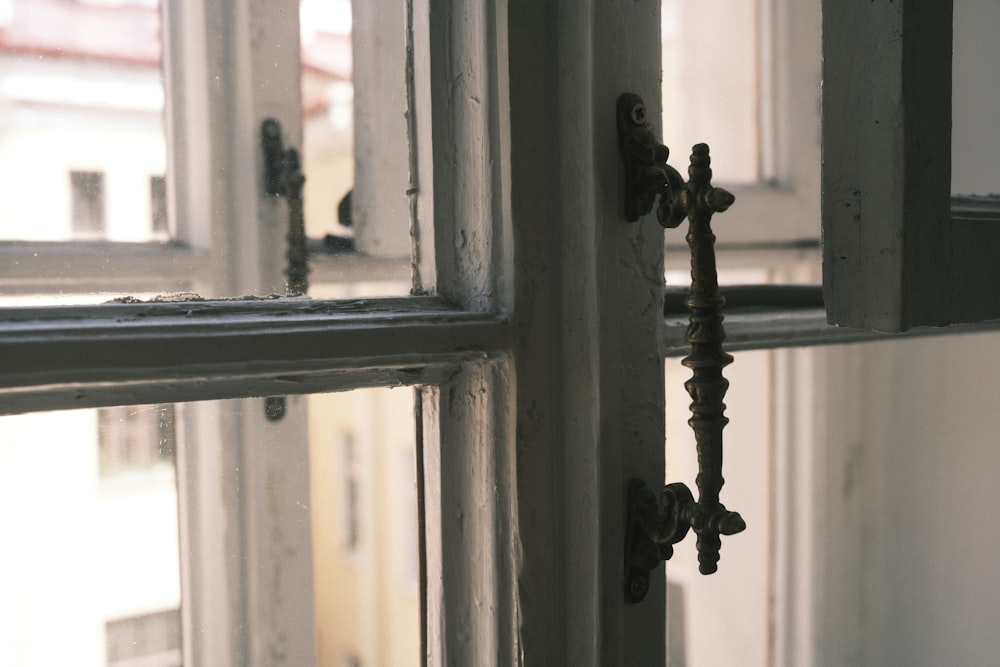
x=894, y=254
x=123, y=353
x=228, y=67
x=462, y=58
x=473, y=538
x=380, y=209
x=587, y=291
x=886, y=178
x=546, y=388
x=474, y=545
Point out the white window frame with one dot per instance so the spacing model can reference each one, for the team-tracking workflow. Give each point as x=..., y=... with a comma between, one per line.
x=898, y=251
x=526, y=558
x=539, y=352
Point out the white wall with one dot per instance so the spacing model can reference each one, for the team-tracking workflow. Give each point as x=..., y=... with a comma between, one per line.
x=61, y=116
x=906, y=517
x=76, y=551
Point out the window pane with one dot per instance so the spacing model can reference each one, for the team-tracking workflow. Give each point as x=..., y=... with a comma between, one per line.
x=355, y=143
x=737, y=597
x=92, y=549
x=83, y=158
x=365, y=529
x=90, y=572
x=87, y=205
x=81, y=102
x=711, y=85
x=975, y=98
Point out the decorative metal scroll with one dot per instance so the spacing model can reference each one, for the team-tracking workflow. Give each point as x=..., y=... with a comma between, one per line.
x=658, y=521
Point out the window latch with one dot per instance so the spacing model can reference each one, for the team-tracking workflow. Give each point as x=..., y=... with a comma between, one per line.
x=656, y=522
x=283, y=177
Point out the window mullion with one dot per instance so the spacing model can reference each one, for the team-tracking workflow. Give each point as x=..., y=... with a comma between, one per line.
x=588, y=294
x=228, y=67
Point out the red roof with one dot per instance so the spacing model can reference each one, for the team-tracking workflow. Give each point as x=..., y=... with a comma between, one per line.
x=128, y=34
x=329, y=54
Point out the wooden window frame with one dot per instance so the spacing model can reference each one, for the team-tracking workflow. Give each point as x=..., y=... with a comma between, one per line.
x=899, y=251
x=523, y=531
x=535, y=355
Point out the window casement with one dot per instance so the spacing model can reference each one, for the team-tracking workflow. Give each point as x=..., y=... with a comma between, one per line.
x=539, y=397
x=902, y=247
x=537, y=348
x=87, y=203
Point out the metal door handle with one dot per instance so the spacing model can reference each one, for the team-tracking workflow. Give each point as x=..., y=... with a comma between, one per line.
x=656, y=523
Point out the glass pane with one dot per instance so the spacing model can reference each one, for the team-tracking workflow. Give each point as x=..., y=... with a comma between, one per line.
x=366, y=551
x=357, y=205
x=83, y=157
x=737, y=597
x=81, y=101
x=710, y=85
x=94, y=540
x=90, y=572
x=975, y=146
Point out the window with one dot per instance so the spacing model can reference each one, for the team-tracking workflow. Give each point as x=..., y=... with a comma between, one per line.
x=158, y=205
x=152, y=640
x=900, y=251
x=534, y=341
x=247, y=587
x=803, y=445
x=87, y=203
x=351, y=499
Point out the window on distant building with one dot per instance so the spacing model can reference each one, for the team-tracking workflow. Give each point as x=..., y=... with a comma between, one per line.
x=87, y=203
x=151, y=639
x=158, y=202
x=352, y=493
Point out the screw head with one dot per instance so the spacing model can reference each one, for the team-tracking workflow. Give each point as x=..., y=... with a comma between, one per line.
x=639, y=114
x=274, y=408
x=638, y=586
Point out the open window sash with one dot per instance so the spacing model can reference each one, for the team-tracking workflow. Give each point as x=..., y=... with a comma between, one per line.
x=898, y=250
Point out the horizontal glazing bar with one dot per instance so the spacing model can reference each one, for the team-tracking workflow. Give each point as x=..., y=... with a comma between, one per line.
x=65, y=357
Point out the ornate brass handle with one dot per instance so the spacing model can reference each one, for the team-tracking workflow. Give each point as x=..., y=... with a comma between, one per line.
x=655, y=524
